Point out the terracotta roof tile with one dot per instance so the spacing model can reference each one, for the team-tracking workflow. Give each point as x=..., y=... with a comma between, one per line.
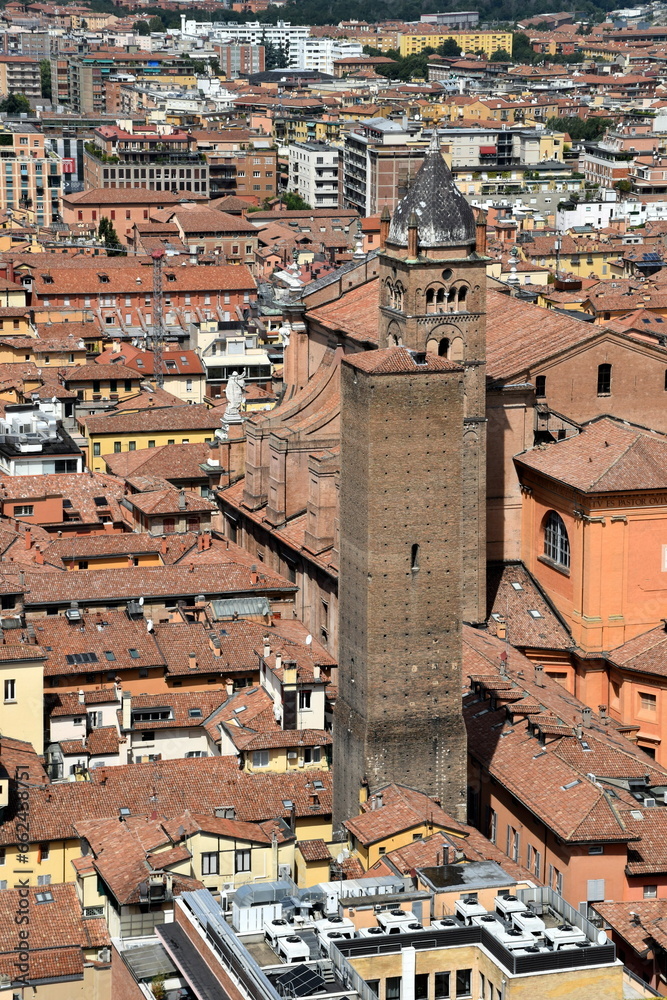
x=607, y=456
x=169, y=788
x=399, y=361
x=401, y=808
x=105, y=585
x=181, y=418
x=314, y=850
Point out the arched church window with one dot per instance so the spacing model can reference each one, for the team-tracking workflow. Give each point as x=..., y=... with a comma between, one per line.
x=443, y=347
x=556, y=541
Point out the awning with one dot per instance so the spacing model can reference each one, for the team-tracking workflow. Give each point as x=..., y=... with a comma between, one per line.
x=487, y=149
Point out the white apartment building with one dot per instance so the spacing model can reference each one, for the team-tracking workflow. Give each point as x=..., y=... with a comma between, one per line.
x=315, y=172
x=321, y=53
x=283, y=35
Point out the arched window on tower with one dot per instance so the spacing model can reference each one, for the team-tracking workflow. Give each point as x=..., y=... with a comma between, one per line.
x=451, y=300
x=398, y=296
x=443, y=347
x=430, y=300
x=463, y=297
x=440, y=301
x=556, y=541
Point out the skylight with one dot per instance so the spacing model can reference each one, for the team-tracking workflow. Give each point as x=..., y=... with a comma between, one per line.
x=535, y=614
x=571, y=784
x=517, y=586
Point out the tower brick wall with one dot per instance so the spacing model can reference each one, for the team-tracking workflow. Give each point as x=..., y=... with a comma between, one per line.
x=398, y=714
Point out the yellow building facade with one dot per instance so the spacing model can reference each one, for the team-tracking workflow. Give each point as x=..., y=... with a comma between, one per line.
x=22, y=694
x=487, y=42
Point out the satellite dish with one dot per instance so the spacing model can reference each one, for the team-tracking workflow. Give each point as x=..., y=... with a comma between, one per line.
x=309, y=639
x=141, y=602
x=340, y=859
x=602, y=938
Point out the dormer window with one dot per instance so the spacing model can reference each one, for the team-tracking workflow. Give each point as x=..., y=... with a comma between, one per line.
x=104, y=278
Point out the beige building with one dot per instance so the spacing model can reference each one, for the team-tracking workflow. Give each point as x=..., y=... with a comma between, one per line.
x=22, y=691
x=30, y=179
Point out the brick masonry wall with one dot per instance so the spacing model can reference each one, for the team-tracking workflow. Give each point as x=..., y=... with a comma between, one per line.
x=398, y=716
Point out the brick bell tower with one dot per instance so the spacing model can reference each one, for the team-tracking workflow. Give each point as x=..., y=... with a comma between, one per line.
x=433, y=298
x=398, y=713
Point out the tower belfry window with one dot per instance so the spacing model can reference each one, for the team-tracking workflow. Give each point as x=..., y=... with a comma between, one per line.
x=414, y=558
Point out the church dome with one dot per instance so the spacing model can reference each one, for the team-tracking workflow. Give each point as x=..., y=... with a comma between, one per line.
x=444, y=217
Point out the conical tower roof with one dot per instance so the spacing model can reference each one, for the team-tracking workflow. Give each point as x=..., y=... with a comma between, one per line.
x=444, y=216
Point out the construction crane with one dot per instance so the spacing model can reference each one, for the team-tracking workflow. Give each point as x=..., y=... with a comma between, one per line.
x=157, y=334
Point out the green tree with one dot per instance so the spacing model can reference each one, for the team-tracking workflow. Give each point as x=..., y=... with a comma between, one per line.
x=16, y=104
x=623, y=187
x=294, y=202
x=45, y=77
x=449, y=48
x=141, y=28
x=275, y=56
x=522, y=50
x=580, y=129
x=156, y=24
x=109, y=237
x=501, y=55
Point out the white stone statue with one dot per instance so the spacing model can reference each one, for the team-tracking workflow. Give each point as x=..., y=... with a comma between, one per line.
x=234, y=394
x=285, y=332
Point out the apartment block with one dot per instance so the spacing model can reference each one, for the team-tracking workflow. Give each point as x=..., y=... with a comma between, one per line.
x=321, y=53
x=20, y=75
x=380, y=158
x=160, y=159
x=30, y=173
x=237, y=59
x=315, y=172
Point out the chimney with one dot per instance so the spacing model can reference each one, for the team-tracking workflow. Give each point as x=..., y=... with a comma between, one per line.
x=586, y=715
x=539, y=674
x=279, y=661
x=480, y=232
x=229, y=687
x=39, y=556
x=266, y=652
x=289, y=672
x=130, y=561
x=385, y=220
x=127, y=710
x=579, y=732
x=413, y=237
x=163, y=546
x=82, y=698
x=501, y=628
x=28, y=538
x=602, y=709
x=316, y=672
x=192, y=661
x=182, y=502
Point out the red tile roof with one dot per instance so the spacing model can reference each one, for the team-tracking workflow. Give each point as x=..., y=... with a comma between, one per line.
x=396, y=809
x=169, y=788
x=314, y=850
x=607, y=456
x=399, y=361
